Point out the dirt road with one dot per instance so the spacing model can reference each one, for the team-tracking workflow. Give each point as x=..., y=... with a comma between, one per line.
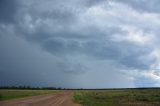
x=61, y=99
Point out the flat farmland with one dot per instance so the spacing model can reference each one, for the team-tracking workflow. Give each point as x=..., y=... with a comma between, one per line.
x=121, y=97
x=15, y=94
x=131, y=97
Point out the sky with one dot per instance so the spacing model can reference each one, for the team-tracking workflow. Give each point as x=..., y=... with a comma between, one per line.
x=80, y=43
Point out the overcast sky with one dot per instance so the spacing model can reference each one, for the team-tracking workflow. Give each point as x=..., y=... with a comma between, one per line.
x=80, y=43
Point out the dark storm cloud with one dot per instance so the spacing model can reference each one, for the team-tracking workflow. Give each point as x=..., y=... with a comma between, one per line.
x=24, y=64
x=128, y=54
x=62, y=47
x=71, y=68
x=8, y=10
x=69, y=43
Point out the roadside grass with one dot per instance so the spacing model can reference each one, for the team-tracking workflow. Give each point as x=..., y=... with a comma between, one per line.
x=14, y=94
x=147, y=97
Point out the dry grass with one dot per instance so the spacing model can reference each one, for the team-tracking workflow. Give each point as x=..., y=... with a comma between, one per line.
x=13, y=94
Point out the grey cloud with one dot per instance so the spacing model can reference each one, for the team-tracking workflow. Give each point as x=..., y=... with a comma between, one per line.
x=55, y=46
x=89, y=3
x=94, y=43
x=127, y=54
x=8, y=11
x=145, y=82
x=24, y=64
x=131, y=56
x=51, y=43
x=59, y=11
x=72, y=68
x=143, y=5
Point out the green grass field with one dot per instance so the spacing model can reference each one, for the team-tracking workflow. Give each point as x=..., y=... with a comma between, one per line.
x=14, y=94
x=148, y=97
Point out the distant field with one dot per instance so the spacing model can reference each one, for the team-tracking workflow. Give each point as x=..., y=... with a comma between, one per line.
x=13, y=94
x=142, y=97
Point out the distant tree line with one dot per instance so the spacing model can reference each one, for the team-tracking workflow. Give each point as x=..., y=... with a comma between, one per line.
x=59, y=88
x=31, y=88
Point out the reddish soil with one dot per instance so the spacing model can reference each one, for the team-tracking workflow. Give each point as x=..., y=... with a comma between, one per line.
x=60, y=99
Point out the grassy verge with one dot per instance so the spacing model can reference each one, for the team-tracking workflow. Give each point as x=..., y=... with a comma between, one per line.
x=149, y=97
x=14, y=94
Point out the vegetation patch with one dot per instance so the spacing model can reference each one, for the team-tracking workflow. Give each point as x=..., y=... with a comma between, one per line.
x=131, y=97
x=13, y=94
